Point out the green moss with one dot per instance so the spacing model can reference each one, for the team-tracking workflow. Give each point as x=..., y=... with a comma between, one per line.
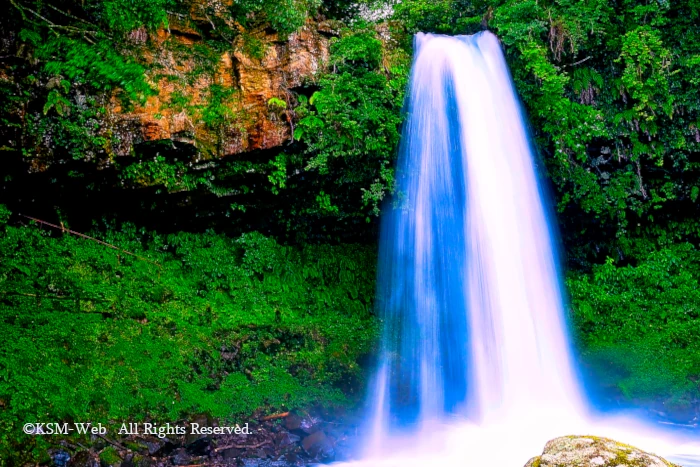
x=581, y=450
x=110, y=456
x=135, y=446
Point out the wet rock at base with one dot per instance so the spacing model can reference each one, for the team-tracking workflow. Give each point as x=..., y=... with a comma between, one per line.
x=196, y=442
x=264, y=463
x=319, y=446
x=315, y=438
x=592, y=451
x=310, y=424
x=181, y=457
x=159, y=447
x=287, y=439
x=60, y=458
x=81, y=459
x=231, y=453
x=292, y=421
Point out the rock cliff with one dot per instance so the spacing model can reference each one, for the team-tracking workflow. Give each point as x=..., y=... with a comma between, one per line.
x=241, y=103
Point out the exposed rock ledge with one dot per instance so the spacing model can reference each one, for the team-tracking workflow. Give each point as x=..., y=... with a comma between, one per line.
x=286, y=64
x=592, y=451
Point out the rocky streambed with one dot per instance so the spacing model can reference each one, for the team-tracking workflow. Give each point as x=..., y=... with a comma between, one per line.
x=280, y=440
x=299, y=439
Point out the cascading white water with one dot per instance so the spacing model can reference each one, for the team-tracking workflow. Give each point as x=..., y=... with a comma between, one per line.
x=468, y=278
x=475, y=364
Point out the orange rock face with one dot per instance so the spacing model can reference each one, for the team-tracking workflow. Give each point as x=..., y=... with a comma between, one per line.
x=182, y=108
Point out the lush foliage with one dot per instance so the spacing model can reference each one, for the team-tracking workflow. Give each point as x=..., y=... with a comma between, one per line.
x=285, y=16
x=611, y=91
x=639, y=324
x=196, y=323
x=351, y=124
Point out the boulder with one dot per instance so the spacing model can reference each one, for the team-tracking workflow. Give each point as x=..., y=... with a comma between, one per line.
x=195, y=441
x=592, y=451
x=319, y=446
x=181, y=457
x=292, y=421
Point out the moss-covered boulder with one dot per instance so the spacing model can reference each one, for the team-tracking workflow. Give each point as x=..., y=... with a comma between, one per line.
x=592, y=451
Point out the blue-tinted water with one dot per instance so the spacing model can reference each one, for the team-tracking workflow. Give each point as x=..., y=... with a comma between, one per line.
x=469, y=288
x=475, y=365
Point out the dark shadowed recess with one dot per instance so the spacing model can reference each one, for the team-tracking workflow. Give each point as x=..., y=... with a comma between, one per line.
x=83, y=196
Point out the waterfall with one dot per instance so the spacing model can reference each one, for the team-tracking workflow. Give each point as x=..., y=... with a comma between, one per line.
x=468, y=281
x=475, y=362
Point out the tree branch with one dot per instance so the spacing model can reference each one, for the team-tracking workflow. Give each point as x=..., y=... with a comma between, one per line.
x=69, y=15
x=23, y=8
x=63, y=229
x=579, y=62
x=243, y=446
